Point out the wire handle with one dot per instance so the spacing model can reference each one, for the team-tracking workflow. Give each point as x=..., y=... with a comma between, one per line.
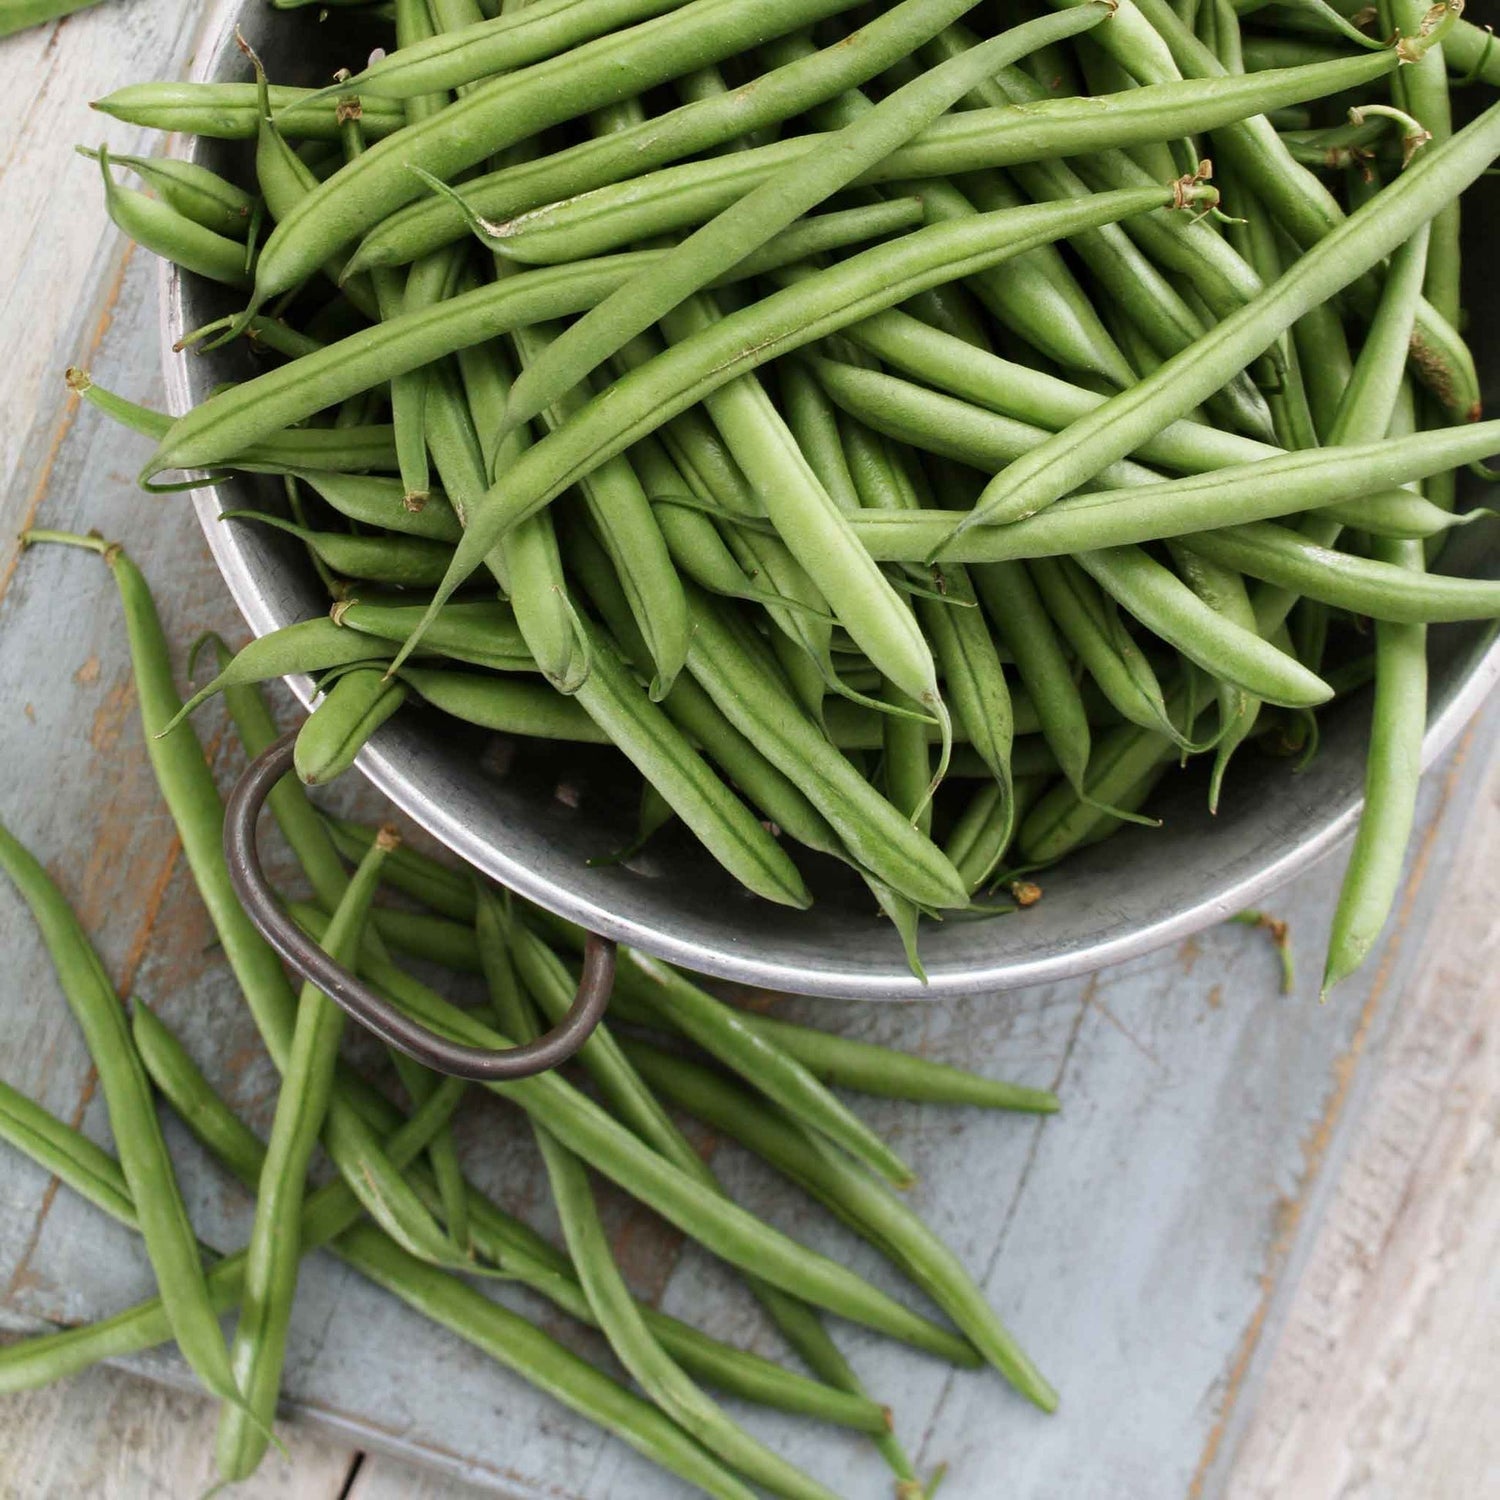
x=373, y=1010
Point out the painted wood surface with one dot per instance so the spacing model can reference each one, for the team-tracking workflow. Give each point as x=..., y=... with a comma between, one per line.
x=1251, y=1251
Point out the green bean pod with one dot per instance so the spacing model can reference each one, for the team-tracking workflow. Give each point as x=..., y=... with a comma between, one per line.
x=403, y=561
x=853, y=1197
x=506, y=110
x=67, y=1154
x=259, y=1348
x=1163, y=604
x=168, y=1233
x=376, y=501
x=231, y=111
x=759, y=1061
x=1365, y=586
x=778, y=201
x=169, y=233
x=1088, y=622
x=878, y=836
x=966, y=142
x=328, y=1216
x=629, y=531
x=1074, y=455
x=531, y=709
x=194, y=191
x=341, y=725
x=715, y=1222
x=526, y=561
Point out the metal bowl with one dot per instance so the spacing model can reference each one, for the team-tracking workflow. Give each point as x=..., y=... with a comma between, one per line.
x=533, y=817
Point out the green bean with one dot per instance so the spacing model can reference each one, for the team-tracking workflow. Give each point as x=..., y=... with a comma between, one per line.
x=814, y=426
x=483, y=634
x=693, y=539
x=647, y=397
x=531, y=1260
x=775, y=203
x=713, y=476
x=377, y=501
x=1106, y=650
x=259, y=1348
x=468, y=54
x=1308, y=212
x=695, y=714
x=1018, y=615
x=853, y=1197
x=941, y=424
x=229, y=111
x=277, y=399
x=300, y=448
x=1015, y=390
x=609, y=1300
x=1074, y=455
x=169, y=233
x=630, y=1338
x=1223, y=590
x=340, y=726
x=715, y=1222
x=1129, y=280
x=1365, y=586
x=66, y=1154
x=1036, y=295
x=531, y=709
x=1123, y=771
x=188, y=787
x=681, y=132
x=716, y=816
x=628, y=528
x=304, y=832
x=526, y=562
x=481, y=1322
x=422, y=935
x=759, y=1061
x=986, y=829
x=972, y=672
x=812, y=526
x=193, y=191
x=1337, y=481
x=512, y=108
x=168, y=1233
x=308, y=646
x=328, y=1212
x=404, y=561
x=1187, y=246
x=879, y=837
x=1166, y=606
x=958, y=143
x=869, y=1069
x=552, y=987
x=607, y=218
x=445, y=890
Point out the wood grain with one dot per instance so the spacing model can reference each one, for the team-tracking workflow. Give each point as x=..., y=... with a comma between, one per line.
x=1381, y=1380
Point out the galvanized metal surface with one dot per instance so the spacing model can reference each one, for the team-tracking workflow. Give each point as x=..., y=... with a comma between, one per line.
x=1148, y=1243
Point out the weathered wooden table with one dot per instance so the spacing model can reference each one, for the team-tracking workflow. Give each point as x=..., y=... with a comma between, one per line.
x=1258, y=1250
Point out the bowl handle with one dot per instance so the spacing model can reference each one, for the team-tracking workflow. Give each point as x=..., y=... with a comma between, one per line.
x=366, y=1006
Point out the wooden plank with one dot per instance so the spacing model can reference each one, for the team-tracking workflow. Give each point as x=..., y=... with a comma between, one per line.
x=1385, y=1366
x=111, y=1436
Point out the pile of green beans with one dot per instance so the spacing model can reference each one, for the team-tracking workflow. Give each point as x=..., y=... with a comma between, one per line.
x=400, y=1209
x=831, y=407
